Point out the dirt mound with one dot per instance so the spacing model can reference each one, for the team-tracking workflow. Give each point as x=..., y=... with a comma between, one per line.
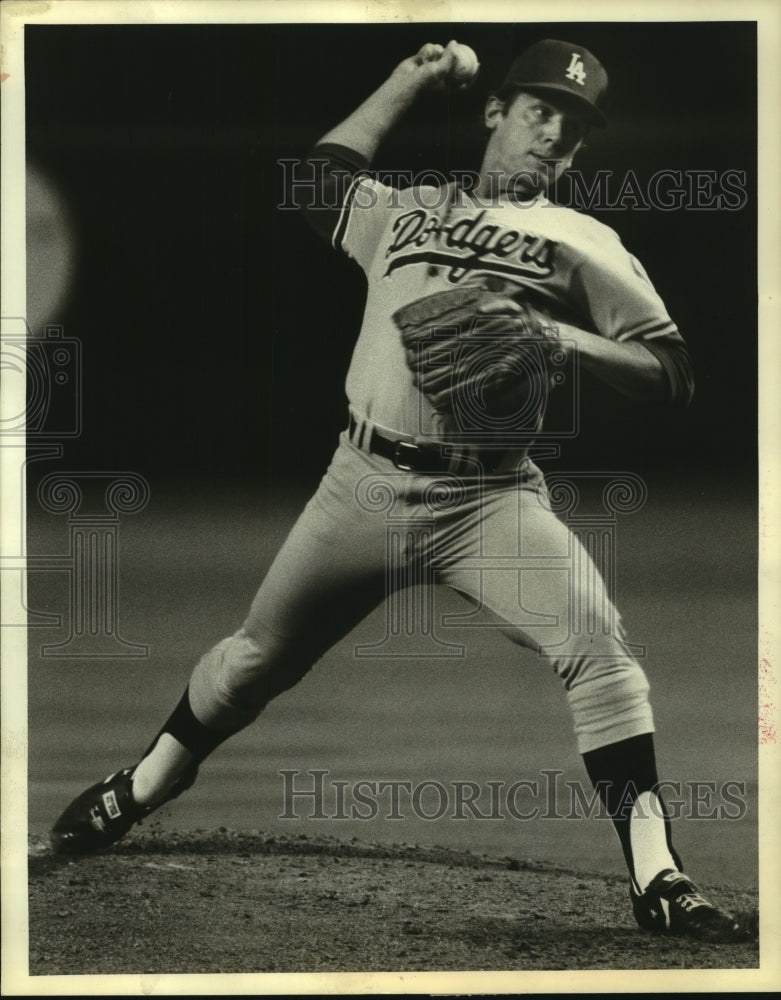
x=228, y=902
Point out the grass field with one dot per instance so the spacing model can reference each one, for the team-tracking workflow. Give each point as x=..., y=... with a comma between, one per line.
x=187, y=572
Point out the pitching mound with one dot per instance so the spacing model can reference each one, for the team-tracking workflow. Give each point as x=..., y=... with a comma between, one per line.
x=227, y=902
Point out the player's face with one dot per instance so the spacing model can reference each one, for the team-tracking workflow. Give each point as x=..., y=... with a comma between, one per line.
x=527, y=133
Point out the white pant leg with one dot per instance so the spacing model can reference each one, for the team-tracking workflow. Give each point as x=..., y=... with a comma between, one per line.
x=512, y=556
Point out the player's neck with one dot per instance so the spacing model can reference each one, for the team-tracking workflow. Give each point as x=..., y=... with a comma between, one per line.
x=497, y=185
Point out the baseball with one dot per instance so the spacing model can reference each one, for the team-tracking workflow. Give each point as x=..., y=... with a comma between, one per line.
x=465, y=64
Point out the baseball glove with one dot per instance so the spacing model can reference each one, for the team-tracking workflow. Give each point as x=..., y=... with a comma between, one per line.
x=479, y=370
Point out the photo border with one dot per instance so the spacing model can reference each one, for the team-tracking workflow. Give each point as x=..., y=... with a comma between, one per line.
x=13, y=17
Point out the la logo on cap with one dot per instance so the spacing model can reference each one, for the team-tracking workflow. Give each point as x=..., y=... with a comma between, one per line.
x=576, y=70
x=562, y=68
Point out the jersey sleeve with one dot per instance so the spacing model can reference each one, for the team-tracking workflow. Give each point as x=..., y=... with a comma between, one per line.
x=363, y=220
x=333, y=170
x=350, y=208
x=623, y=305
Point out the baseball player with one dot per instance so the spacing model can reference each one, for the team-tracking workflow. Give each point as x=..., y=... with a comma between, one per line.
x=460, y=284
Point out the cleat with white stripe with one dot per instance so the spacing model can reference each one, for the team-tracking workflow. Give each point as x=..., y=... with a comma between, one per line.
x=672, y=904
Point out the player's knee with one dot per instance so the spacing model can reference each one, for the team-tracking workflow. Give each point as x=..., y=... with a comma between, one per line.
x=240, y=676
x=594, y=621
x=579, y=631
x=261, y=666
x=597, y=638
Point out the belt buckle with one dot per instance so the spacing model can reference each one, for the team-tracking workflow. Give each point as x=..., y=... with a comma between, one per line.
x=397, y=459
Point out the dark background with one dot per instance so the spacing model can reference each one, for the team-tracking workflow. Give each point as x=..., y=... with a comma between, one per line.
x=217, y=330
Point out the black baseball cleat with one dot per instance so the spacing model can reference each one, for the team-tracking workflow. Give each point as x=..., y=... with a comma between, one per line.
x=672, y=904
x=104, y=813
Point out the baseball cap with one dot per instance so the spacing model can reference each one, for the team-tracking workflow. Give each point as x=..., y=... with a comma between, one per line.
x=563, y=68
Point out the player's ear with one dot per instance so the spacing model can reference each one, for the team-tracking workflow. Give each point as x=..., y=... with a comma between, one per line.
x=494, y=112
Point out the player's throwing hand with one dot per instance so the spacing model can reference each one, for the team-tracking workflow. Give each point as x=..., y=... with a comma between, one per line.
x=442, y=67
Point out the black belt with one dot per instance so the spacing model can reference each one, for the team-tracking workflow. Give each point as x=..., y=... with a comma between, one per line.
x=411, y=457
